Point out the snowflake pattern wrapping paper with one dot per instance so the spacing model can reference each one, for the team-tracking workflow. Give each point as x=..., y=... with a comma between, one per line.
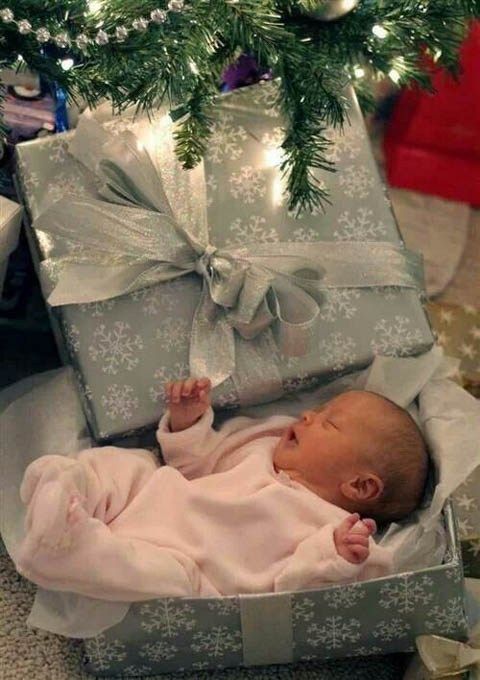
x=124, y=349
x=360, y=619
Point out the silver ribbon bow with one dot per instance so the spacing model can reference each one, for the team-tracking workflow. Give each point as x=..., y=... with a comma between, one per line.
x=439, y=658
x=130, y=238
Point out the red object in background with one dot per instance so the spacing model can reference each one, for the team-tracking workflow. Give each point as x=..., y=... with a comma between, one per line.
x=432, y=143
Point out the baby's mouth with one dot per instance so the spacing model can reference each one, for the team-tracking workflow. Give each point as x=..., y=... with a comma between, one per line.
x=291, y=437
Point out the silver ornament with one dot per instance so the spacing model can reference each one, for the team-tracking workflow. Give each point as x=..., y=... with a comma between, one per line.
x=101, y=38
x=6, y=15
x=176, y=5
x=140, y=24
x=62, y=40
x=82, y=41
x=43, y=34
x=24, y=27
x=158, y=16
x=330, y=10
x=121, y=33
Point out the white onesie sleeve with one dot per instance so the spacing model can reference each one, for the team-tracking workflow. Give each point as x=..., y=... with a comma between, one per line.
x=193, y=451
x=316, y=563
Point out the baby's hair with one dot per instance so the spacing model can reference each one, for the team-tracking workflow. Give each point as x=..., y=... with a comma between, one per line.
x=400, y=457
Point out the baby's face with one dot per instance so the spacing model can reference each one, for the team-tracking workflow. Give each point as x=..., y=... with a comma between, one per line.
x=324, y=447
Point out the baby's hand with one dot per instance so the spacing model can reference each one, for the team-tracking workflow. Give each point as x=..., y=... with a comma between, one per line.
x=351, y=538
x=188, y=400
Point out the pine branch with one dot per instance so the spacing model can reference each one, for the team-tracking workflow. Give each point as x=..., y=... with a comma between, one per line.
x=179, y=63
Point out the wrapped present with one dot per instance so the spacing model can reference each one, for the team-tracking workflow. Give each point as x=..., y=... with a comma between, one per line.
x=167, y=272
x=432, y=141
x=458, y=331
x=381, y=616
x=10, y=222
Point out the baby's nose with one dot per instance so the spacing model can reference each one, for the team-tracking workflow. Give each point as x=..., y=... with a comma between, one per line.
x=307, y=417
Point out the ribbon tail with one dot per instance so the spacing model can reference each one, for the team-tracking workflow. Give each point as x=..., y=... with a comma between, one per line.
x=116, y=250
x=212, y=345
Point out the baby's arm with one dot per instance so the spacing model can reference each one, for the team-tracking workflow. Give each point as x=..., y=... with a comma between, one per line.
x=335, y=555
x=185, y=433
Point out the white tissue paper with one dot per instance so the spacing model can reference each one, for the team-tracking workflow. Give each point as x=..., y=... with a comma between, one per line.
x=448, y=416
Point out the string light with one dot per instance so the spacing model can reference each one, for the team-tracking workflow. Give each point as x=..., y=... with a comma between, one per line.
x=394, y=75
x=379, y=31
x=359, y=72
x=94, y=6
x=67, y=64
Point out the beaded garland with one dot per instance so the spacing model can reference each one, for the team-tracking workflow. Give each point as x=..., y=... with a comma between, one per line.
x=82, y=41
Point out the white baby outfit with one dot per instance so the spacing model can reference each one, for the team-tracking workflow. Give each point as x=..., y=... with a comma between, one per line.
x=216, y=520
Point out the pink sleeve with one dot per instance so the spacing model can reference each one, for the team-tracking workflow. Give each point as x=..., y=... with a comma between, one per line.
x=316, y=562
x=194, y=451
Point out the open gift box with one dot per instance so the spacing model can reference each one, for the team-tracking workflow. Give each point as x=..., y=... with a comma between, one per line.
x=125, y=341
x=423, y=596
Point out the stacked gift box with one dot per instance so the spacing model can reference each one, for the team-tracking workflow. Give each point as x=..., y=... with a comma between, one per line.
x=125, y=348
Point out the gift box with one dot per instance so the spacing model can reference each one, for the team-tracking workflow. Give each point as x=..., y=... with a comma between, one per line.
x=125, y=347
x=432, y=141
x=457, y=330
x=381, y=616
x=10, y=222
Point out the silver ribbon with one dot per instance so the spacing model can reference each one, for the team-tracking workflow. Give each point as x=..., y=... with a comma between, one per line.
x=130, y=238
x=267, y=629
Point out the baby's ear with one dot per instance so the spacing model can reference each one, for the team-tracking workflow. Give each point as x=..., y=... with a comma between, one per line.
x=363, y=487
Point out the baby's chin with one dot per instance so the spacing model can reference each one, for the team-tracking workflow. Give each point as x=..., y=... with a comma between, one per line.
x=282, y=458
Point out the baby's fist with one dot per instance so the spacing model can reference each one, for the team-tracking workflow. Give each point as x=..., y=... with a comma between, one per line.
x=352, y=536
x=188, y=400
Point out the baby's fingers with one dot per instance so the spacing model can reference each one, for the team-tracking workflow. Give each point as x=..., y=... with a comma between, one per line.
x=176, y=392
x=371, y=526
x=349, y=523
x=204, y=385
x=356, y=539
x=358, y=554
x=188, y=387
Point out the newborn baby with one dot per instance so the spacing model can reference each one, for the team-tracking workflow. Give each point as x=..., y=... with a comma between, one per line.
x=258, y=506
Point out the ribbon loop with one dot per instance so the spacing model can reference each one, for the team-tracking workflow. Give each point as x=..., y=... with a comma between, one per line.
x=440, y=658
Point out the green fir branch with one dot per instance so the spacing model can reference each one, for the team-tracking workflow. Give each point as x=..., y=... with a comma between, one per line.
x=179, y=64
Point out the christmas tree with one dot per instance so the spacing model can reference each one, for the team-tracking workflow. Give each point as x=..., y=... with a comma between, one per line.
x=146, y=52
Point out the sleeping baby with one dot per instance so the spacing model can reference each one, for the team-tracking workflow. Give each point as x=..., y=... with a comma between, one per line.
x=257, y=506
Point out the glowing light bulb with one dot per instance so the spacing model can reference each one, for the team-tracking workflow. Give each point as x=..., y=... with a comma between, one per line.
x=379, y=31
x=94, y=6
x=359, y=72
x=394, y=75
x=273, y=157
x=67, y=64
